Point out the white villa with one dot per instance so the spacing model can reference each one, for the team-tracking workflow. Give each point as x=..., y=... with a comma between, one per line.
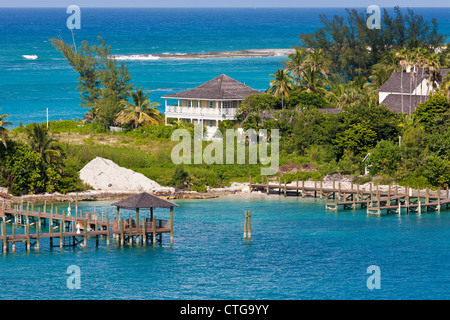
x=210, y=103
x=403, y=91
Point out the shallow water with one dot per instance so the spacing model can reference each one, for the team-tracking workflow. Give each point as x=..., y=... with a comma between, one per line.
x=297, y=251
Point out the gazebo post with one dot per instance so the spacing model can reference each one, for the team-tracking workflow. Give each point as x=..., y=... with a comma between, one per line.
x=143, y=201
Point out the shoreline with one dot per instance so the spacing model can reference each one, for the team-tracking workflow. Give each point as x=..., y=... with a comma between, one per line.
x=249, y=53
x=240, y=190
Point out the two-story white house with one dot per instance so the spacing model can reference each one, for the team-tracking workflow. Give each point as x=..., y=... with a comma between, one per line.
x=208, y=104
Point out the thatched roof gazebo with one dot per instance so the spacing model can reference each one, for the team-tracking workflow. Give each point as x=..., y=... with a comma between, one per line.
x=146, y=201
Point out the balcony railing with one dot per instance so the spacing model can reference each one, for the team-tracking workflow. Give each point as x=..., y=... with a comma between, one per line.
x=201, y=111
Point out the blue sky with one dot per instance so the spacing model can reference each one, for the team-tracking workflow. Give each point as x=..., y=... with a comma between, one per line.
x=222, y=3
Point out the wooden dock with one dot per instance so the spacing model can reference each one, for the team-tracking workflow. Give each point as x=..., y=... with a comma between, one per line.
x=375, y=201
x=30, y=227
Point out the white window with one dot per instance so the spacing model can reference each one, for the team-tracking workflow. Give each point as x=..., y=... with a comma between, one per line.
x=228, y=104
x=189, y=103
x=210, y=104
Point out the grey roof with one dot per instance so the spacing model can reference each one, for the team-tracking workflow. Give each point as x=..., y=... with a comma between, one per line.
x=144, y=200
x=220, y=88
x=394, y=102
x=394, y=83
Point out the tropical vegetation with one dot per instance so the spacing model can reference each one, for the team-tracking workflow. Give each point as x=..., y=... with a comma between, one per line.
x=324, y=102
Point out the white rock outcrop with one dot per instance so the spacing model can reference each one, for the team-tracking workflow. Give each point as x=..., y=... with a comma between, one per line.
x=104, y=175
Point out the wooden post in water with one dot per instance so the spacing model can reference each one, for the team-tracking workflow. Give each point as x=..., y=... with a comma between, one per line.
x=248, y=225
x=38, y=229
x=107, y=230
x=407, y=190
x=144, y=234
x=389, y=195
x=267, y=186
x=5, y=240
x=250, y=184
x=50, y=226
x=27, y=232
x=85, y=233
x=245, y=224
x=419, y=208
x=62, y=227
x=13, y=245
x=285, y=190
x=154, y=231
x=171, y=225
x=130, y=237
x=296, y=186
x=137, y=225
x=303, y=188
x=121, y=226
x=279, y=185
x=439, y=200
x=315, y=188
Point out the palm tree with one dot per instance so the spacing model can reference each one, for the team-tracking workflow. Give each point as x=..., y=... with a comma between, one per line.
x=281, y=85
x=43, y=143
x=312, y=81
x=140, y=111
x=389, y=61
x=434, y=71
x=377, y=78
x=445, y=87
x=296, y=64
x=345, y=94
x=319, y=62
x=3, y=130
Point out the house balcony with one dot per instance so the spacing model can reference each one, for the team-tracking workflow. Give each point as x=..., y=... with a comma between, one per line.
x=206, y=113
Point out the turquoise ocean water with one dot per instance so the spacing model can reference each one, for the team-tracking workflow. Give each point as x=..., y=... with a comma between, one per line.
x=28, y=87
x=297, y=251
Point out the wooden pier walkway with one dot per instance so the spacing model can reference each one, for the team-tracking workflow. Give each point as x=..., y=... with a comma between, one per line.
x=36, y=225
x=375, y=201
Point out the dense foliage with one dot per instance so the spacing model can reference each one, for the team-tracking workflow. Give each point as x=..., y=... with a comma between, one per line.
x=324, y=101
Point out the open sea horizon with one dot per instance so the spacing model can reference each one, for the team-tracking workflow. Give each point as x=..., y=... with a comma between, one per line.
x=28, y=87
